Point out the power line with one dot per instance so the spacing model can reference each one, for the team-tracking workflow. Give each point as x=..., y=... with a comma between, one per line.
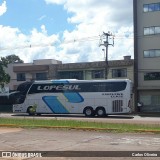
x=84, y=39
x=93, y=38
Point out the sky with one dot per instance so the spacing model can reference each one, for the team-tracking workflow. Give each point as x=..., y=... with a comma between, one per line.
x=66, y=30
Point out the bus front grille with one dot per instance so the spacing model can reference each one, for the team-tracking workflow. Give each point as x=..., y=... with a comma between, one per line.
x=117, y=106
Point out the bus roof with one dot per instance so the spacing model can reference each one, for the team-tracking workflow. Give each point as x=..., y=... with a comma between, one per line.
x=80, y=81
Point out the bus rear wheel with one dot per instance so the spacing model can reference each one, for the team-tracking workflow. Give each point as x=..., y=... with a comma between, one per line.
x=88, y=111
x=100, y=111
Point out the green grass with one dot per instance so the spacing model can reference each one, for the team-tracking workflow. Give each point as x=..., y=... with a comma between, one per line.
x=73, y=124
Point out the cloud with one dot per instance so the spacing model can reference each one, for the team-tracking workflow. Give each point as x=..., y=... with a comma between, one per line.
x=3, y=8
x=28, y=47
x=91, y=18
x=42, y=17
x=84, y=10
x=55, y=1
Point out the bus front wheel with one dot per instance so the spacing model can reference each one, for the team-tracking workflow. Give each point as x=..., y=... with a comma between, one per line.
x=88, y=111
x=100, y=111
x=31, y=111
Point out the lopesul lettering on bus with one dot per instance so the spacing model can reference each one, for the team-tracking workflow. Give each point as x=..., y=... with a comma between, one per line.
x=59, y=87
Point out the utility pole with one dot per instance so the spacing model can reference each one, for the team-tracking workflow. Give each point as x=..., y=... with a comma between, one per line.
x=104, y=41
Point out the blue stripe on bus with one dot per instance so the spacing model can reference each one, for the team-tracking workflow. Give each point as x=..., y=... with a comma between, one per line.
x=54, y=104
x=73, y=97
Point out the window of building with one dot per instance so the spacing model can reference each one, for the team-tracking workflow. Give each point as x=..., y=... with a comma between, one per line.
x=97, y=74
x=116, y=73
x=146, y=54
x=71, y=75
x=145, y=8
x=152, y=53
x=152, y=76
x=146, y=31
x=151, y=30
x=156, y=100
x=151, y=103
x=145, y=99
x=157, y=53
x=151, y=7
x=41, y=76
x=157, y=30
x=21, y=77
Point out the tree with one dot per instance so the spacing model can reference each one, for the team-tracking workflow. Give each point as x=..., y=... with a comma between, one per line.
x=4, y=77
x=12, y=59
x=4, y=61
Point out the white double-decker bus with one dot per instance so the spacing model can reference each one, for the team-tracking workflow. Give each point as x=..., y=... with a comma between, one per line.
x=89, y=97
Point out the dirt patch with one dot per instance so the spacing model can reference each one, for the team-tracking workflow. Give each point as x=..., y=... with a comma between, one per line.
x=8, y=130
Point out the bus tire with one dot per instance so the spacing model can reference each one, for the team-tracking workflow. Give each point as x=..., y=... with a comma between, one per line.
x=88, y=111
x=100, y=111
x=30, y=111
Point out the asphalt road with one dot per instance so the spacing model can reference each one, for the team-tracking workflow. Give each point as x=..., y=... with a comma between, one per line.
x=137, y=119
